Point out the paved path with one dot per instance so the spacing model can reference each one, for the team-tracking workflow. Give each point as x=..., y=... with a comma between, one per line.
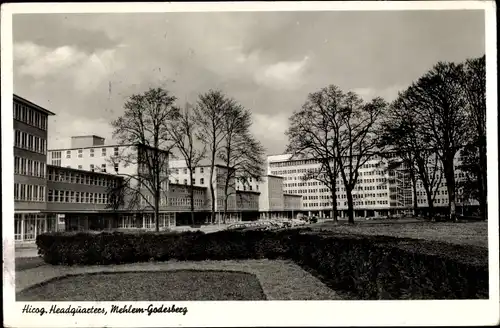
x=26, y=252
x=280, y=280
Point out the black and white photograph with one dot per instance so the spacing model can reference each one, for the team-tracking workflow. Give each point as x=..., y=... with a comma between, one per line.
x=164, y=158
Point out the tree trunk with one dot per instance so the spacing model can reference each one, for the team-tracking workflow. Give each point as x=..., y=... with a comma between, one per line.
x=191, y=194
x=449, y=174
x=226, y=197
x=482, y=181
x=157, y=212
x=334, y=204
x=212, y=194
x=350, y=206
x=430, y=202
x=224, y=214
x=414, y=187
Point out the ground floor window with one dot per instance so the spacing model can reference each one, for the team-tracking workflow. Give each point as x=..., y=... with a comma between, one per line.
x=127, y=221
x=165, y=220
x=29, y=225
x=149, y=221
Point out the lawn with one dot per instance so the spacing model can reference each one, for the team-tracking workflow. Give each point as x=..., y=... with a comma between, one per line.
x=465, y=233
x=180, y=285
x=25, y=263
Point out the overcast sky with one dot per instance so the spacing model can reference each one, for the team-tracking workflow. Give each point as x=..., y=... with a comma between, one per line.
x=83, y=66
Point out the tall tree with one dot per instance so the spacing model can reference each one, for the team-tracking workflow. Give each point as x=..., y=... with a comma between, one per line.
x=142, y=130
x=441, y=107
x=473, y=84
x=183, y=133
x=210, y=113
x=401, y=134
x=241, y=153
x=358, y=125
x=311, y=134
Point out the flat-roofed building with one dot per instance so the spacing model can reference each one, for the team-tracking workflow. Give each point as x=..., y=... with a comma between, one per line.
x=30, y=158
x=381, y=189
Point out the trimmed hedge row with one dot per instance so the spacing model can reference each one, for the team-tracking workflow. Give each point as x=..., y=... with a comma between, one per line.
x=366, y=267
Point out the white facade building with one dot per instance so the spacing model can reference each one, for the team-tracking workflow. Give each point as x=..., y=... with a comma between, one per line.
x=89, y=153
x=379, y=190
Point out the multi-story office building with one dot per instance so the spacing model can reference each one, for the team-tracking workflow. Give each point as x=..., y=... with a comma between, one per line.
x=381, y=188
x=90, y=153
x=30, y=158
x=247, y=200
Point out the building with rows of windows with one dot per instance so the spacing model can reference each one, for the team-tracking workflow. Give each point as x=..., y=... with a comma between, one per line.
x=30, y=158
x=247, y=200
x=380, y=190
x=76, y=188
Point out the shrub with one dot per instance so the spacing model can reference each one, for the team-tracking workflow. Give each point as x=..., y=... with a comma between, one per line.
x=366, y=267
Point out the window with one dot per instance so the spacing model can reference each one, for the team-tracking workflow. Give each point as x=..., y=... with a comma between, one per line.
x=68, y=154
x=31, y=143
x=177, y=181
x=185, y=181
x=80, y=153
x=103, y=167
x=201, y=170
x=194, y=182
x=116, y=167
x=202, y=181
x=92, y=167
x=185, y=171
x=80, y=167
x=103, y=152
x=116, y=151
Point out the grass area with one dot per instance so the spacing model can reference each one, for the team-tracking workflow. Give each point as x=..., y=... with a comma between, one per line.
x=25, y=263
x=465, y=233
x=181, y=285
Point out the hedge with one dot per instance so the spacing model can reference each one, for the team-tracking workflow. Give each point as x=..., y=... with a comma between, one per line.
x=364, y=267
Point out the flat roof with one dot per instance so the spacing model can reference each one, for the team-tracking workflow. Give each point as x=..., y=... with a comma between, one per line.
x=33, y=105
x=86, y=136
x=88, y=147
x=62, y=168
x=185, y=185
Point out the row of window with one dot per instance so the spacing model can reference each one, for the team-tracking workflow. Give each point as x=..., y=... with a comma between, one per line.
x=130, y=221
x=25, y=166
x=185, y=201
x=29, y=116
x=29, y=193
x=80, y=178
x=200, y=170
x=356, y=203
x=202, y=181
x=68, y=196
x=30, y=142
x=249, y=187
x=79, y=152
x=186, y=191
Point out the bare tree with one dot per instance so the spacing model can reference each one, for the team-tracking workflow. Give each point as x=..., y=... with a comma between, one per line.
x=357, y=126
x=142, y=130
x=440, y=103
x=183, y=133
x=210, y=114
x=241, y=153
x=312, y=135
x=473, y=84
x=401, y=134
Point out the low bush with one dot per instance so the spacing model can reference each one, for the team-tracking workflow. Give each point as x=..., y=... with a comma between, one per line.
x=366, y=267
